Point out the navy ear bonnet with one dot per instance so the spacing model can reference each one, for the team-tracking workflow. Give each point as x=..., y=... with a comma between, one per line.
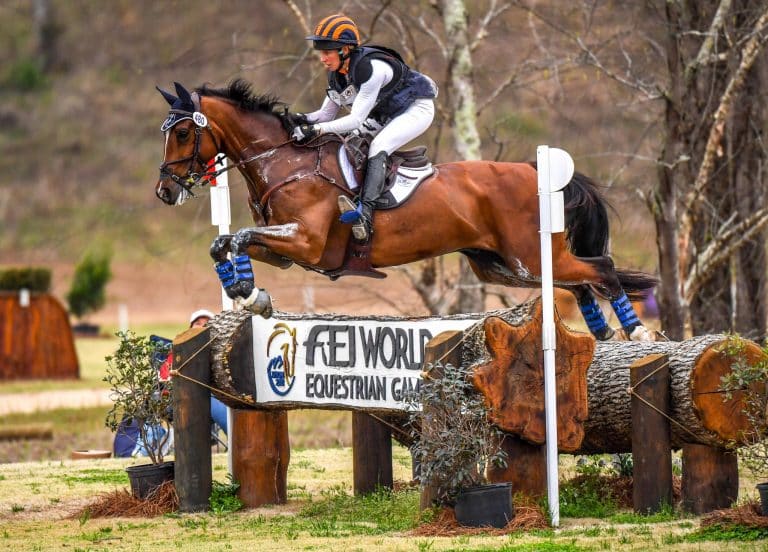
x=182, y=107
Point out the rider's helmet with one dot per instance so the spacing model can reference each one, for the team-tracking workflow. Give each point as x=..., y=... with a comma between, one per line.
x=335, y=31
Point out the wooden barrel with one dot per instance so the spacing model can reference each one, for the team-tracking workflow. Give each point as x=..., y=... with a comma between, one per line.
x=35, y=341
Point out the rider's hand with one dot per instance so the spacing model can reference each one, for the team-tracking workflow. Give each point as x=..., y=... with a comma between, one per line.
x=304, y=133
x=296, y=119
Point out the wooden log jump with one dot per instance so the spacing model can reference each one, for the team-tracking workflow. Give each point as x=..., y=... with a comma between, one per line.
x=266, y=367
x=36, y=341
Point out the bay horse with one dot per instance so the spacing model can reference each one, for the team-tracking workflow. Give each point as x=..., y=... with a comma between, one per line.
x=488, y=211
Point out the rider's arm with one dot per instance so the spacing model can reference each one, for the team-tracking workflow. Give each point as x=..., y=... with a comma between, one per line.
x=365, y=101
x=327, y=112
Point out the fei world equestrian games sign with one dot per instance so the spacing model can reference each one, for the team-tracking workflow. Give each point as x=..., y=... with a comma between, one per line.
x=359, y=363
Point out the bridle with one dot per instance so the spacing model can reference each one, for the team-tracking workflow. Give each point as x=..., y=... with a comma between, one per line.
x=192, y=179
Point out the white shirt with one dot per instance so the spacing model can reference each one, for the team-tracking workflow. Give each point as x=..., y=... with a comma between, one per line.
x=362, y=103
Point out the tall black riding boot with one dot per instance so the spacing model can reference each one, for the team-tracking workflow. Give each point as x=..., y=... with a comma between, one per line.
x=375, y=177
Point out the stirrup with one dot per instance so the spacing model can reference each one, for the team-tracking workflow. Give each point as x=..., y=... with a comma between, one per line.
x=360, y=231
x=349, y=211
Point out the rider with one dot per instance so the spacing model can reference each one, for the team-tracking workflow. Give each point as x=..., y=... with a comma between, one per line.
x=385, y=97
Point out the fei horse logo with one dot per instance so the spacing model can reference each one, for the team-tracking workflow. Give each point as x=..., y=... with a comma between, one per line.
x=281, y=367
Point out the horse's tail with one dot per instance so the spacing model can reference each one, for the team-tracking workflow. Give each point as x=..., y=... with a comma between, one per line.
x=587, y=227
x=586, y=217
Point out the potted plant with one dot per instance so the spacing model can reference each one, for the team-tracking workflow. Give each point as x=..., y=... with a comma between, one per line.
x=87, y=291
x=454, y=444
x=142, y=400
x=750, y=378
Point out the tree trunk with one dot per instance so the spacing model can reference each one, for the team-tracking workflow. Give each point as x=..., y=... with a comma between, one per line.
x=466, y=138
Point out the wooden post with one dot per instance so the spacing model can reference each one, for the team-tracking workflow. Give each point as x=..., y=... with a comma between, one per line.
x=192, y=420
x=651, y=451
x=260, y=456
x=710, y=478
x=371, y=454
x=526, y=467
x=442, y=349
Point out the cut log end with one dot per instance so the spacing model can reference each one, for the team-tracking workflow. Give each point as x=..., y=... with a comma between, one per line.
x=512, y=379
x=724, y=417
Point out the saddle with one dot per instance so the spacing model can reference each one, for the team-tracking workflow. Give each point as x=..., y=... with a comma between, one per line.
x=407, y=169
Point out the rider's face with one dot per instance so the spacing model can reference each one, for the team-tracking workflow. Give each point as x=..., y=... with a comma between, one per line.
x=331, y=59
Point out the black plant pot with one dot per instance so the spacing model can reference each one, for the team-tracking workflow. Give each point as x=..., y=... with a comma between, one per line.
x=762, y=488
x=485, y=506
x=84, y=329
x=145, y=479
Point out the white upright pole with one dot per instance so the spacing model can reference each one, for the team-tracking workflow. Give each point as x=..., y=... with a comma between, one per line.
x=221, y=217
x=555, y=169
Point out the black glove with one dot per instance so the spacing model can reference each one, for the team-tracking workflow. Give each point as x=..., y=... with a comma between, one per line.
x=296, y=119
x=304, y=133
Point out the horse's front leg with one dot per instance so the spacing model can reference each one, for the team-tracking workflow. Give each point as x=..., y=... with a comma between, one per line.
x=237, y=277
x=258, y=237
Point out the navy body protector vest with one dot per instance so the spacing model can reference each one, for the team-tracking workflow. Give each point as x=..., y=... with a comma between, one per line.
x=395, y=97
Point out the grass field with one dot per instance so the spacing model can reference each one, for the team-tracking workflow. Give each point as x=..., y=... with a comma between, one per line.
x=38, y=500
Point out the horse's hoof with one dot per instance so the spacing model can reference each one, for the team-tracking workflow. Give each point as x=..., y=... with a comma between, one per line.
x=641, y=333
x=258, y=302
x=240, y=290
x=606, y=334
x=619, y=335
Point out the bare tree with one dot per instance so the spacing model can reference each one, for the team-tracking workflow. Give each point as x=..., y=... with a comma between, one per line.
x=708, y=204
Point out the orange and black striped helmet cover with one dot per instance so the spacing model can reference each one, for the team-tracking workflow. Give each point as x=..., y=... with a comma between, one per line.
x=338, y=28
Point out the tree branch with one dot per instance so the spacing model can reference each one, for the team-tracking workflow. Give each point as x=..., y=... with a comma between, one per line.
x=749, y=54
x=720, y=249
x=705, y=51
x=482, y=31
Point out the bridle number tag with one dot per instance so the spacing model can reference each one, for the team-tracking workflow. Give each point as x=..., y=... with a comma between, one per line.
x=200, y=119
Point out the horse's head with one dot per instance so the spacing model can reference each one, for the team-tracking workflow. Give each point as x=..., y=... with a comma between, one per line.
x=189, y=146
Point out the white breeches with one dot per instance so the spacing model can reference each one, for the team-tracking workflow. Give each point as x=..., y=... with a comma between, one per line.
x=404, y=128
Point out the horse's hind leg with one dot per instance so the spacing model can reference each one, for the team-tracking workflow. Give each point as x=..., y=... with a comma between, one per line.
x=606, y=282
x=592, y=313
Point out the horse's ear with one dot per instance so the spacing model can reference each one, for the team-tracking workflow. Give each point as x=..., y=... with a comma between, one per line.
x=183, y=93
x=170, y=98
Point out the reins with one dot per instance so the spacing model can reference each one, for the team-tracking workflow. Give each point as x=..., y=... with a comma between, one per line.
x=193, y=179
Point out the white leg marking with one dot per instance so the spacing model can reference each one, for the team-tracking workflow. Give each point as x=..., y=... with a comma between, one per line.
x=279, y=231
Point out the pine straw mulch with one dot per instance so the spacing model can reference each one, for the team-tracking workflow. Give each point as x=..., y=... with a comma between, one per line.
x=747, y=515
x=528, y=516
x=121, y=503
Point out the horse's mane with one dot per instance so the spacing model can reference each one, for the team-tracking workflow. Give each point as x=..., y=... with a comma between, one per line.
x=240, y=92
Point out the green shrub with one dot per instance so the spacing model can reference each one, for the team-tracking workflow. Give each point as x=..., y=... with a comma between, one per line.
x=88, y=283
x=587, y=494
x=26, y=75
x=137, y=392
x=33, y=279
x=224, y=498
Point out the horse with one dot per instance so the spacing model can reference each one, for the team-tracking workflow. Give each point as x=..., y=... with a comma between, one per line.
x=488, y=211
